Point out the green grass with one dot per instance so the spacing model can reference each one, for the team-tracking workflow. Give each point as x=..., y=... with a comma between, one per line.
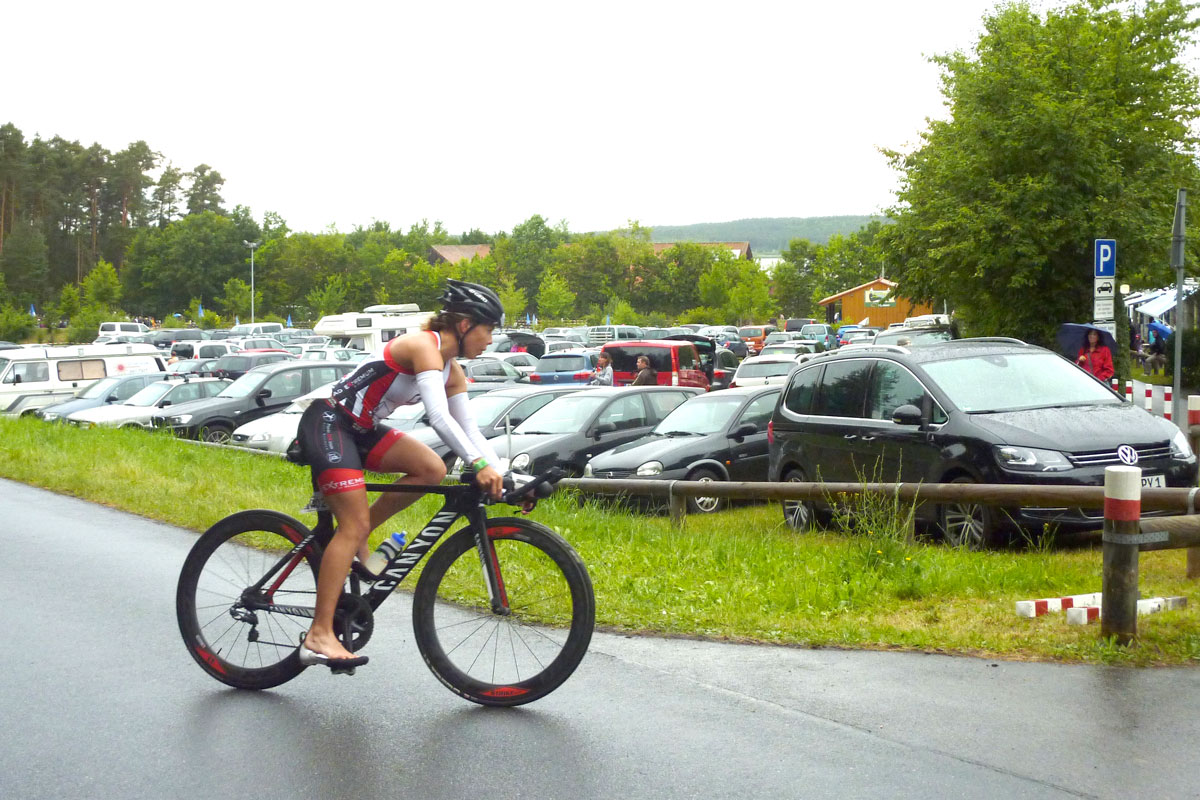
x=740, y=575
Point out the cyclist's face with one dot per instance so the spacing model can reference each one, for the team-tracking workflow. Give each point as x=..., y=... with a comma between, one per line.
x=475, y=340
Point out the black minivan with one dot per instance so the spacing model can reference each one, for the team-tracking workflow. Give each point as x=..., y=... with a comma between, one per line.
x=966, y=411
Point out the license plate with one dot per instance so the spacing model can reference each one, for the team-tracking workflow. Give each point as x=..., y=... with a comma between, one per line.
x=1153, y=482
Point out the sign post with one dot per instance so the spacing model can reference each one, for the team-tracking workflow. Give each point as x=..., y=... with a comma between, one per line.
x=1104, y=285
x=1177, y=241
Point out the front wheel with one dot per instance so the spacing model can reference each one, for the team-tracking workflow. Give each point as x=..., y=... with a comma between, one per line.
x=530, y=647
x=970, y=525
x=243, y=604
x=216, y=433
x=705, y=505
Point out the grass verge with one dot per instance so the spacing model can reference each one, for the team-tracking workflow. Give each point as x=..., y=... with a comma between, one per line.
x=739, y=575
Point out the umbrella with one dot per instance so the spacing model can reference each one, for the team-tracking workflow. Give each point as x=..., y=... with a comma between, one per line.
x=1072, y=335
x=1159, y=328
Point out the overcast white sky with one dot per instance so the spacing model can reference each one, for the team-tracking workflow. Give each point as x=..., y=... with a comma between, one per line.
x=481, y=114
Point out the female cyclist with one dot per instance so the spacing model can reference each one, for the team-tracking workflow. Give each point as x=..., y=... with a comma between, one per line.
x=341, y=436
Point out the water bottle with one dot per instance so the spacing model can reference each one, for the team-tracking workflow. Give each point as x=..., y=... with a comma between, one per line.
x=384, y=553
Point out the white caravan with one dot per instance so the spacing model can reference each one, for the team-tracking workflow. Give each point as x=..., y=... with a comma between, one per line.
x=374, y=327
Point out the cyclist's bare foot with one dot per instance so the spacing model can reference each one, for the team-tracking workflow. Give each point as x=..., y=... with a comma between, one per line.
x=327, y=645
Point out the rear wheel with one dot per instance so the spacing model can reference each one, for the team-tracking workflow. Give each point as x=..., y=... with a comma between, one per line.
x=704, y=505
x=244, y=636
x=967, y=524
x=216, y=433
x=800, y=515
x=524, y=652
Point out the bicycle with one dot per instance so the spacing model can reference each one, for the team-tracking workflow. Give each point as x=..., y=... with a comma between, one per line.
x=502, y=612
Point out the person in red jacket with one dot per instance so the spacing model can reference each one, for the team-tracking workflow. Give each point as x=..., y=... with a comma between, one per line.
x=1095, y=357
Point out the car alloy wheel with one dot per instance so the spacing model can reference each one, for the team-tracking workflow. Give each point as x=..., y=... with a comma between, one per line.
x=798, y=514
x=967, y=524
x=704, y=505
x=217, y=434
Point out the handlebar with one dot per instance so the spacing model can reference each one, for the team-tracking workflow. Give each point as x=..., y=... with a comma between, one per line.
x=530, y=488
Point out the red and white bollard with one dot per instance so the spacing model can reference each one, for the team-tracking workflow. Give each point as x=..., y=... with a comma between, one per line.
x=1149, y=398
x=1116, y=384
x=1167, y=403
x=1121, y=537
x=1193, y=410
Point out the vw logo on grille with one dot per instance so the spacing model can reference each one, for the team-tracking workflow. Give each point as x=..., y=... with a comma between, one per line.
x=1127, y=454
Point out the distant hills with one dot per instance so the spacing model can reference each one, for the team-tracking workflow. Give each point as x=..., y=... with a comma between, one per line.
x=765, y=234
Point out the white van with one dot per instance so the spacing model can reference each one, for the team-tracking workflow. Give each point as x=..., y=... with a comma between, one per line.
x=118, y=328
x=255, y=329
x=373, y=328
x=33, y=377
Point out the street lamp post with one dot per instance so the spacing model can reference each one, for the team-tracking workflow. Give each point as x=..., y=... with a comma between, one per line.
x=252, y=246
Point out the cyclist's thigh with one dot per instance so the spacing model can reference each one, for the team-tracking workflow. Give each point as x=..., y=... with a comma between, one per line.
x=402, y=453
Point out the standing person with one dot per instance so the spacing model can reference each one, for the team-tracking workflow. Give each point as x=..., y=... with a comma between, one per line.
x=1095, y=356
x=603, y=375
x=341, y=436
x=645, y=376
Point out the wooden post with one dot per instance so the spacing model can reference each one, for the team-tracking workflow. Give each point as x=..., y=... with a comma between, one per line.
x=1122, y=534
x=677, y=505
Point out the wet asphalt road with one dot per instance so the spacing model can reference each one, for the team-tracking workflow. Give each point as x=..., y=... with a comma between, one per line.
x=100, y=700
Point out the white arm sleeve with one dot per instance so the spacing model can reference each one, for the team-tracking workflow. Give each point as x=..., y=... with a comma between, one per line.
x=433, y=397
x=460, y=409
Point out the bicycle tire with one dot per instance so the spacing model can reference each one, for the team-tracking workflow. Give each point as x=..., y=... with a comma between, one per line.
x=228, y=558
x=526, y=654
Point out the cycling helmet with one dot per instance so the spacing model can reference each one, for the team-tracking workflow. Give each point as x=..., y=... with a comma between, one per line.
x=473, y=300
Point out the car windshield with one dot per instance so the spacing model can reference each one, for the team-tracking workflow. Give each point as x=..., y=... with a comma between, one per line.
x=701, y=416
x=812, y=330
x=562, y=416
x=765, y=369
x=750, y=331
x=99, y=388
x=1011, y=382
x=487, y=407
x=150, y=395
x=562, y=364
x=243, y=386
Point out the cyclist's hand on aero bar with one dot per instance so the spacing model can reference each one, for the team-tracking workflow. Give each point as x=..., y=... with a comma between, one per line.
x=490, y=481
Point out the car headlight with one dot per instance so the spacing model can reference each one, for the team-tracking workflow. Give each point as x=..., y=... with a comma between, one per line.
x=1181, y=448
x=587, y=470
x=650, y=468
x=182, y=419
x=521, y=462
x=259, y=437
x=1031, y=459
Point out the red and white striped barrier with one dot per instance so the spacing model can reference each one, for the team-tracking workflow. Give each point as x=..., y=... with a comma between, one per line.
x=1035, y=608
x=1149, y=398
x=1193, y=409
x=1148, y=605
x=1129, y=391
x=1116, y=384
x=1168, y=401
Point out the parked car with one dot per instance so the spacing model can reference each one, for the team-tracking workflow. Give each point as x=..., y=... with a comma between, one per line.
x=730, y=341
x=573, y=429
x=163, y=338
x=781, y=336
x=820, y=332
x=255, y=343
x=677, y=362
x=599, y=334
x=334, y=354
x=725, y=364
x=763, y=370
x=491, y=411
x=753, y=336
x=236, y=365
x=517, y=342
x=190, y=348
x=710, y=437
x=801, y=347
x=966, y=411
x=523, y=362
x=36, y=376
x=138, y=410
x=115, y=328
x=194, y=366
x=261, y=391
x=490, y=370
x=570, y=367
x=798, y=323
x=904, y=336
x=115, y=389
x=857, y=336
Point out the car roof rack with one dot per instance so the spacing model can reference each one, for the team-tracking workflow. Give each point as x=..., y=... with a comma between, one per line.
x=887, y=348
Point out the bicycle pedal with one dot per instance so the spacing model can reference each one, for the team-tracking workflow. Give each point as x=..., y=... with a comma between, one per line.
x=346, y=671
x=316, y=504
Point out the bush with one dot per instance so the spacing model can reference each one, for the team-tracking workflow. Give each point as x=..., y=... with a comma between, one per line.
x=15, y=325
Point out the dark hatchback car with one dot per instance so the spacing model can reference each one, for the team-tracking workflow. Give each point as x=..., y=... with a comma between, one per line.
x=491, y=410
x=566, y=367
x=966, y=411
x=235, y=365
x=573, y=429
x=261, y=391
x=711, y=437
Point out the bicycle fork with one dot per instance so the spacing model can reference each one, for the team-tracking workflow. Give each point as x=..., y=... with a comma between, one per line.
x=490, y=564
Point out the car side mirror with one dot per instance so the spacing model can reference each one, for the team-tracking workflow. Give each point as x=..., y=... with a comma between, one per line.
x=604, y=427
x=747, y=429
x=164, y=403
x=907, y=414
x=263, y=394
x=112, y=398
x=16, y=379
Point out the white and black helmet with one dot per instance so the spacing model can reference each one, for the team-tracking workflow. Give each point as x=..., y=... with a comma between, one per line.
x=473, y=300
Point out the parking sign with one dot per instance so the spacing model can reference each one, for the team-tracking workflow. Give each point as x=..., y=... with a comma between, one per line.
x=1106, y=258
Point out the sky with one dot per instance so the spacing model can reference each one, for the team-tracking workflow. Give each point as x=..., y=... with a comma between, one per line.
x=482, y=114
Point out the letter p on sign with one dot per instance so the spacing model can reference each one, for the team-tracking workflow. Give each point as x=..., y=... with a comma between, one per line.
x=1106, y=258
